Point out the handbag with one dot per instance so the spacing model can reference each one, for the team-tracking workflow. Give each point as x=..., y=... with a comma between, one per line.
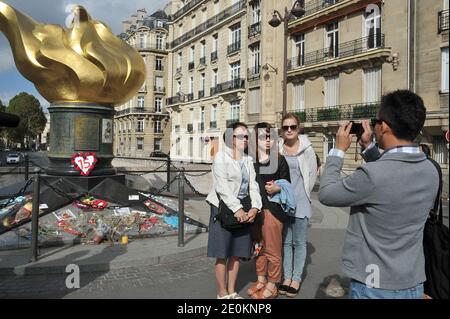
x=226, y=215
x=436, y=250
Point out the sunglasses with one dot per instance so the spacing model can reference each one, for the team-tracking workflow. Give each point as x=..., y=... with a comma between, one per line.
x=287, y=127
x=241, y=137
x=264, y=137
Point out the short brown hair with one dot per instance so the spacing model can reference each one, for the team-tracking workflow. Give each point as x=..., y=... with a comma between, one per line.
x=290, y=116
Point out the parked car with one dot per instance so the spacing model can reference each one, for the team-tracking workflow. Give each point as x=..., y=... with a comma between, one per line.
x=13, y=158
x=158, y=154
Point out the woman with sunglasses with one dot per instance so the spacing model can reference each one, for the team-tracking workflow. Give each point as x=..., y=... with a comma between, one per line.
x=234, y=180
x=270, y=167
x=302, y=162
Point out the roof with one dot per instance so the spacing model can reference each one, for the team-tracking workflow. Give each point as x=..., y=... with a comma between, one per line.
x=160, y=14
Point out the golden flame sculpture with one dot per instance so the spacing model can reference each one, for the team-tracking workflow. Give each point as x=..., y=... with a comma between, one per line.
x=85, y=63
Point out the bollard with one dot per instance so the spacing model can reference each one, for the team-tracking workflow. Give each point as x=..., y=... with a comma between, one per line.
x=35, y=217
x=168, y=172
x=181, y=208
x=27, y=165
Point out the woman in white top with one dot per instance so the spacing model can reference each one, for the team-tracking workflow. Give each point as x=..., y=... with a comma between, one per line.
x=234, y=178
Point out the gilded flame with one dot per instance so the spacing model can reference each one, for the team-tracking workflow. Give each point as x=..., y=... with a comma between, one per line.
x=85, y=63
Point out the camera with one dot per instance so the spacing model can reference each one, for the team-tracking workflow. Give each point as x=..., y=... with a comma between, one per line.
x=357, y=129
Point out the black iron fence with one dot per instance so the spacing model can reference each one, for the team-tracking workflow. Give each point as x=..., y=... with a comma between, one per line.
x=339, y=113
x=228, y=86
x=138, y=110
x=175, y=99
x=191, y=65
x=254, y=29
x=443, y=21
x=201, y=94
x=184, y=9
x=234, y=47
x=213, y=124
x=312, y=7
x=343, y=50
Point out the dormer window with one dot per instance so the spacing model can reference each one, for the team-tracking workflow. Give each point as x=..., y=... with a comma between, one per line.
x=159, y=24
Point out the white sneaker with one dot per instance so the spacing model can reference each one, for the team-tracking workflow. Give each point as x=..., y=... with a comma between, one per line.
x=235, y=295
x=224, y=297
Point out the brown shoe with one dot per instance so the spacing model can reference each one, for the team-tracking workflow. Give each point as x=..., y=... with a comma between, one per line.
x=254, y=287
x=260, y=294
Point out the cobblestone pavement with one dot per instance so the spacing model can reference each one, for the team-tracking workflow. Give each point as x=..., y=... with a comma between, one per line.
x=184, y=279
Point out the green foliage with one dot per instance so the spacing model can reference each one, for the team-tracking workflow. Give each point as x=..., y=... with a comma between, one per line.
x=32, y=118
x=365, y=111
x=328, y=115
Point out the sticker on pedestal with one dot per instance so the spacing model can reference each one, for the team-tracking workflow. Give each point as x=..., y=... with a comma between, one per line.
x=84, y=163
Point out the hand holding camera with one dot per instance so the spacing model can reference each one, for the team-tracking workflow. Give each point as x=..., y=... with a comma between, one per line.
x=347, y=131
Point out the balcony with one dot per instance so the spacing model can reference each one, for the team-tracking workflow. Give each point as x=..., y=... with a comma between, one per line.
x=228, y=86
x=190, y=128
x=210, y=23
x=134, y=110
x=254, y=29
x=184, y=9
x=234, y=47
x=443, y=21
x=201, y=127
x=213, y=124
x=140, y=130
x=201, y=94
x=158, y=130
x=175, y=99
x=191, y=66
x=344, y=55
x=312, y=7
x=253, y=73
x=214, y=56
x=231, y=122
x=202, y=61
x=149, y=47
x=159, y=89
x=159, y=68
x=339, y=113
x=190, y=97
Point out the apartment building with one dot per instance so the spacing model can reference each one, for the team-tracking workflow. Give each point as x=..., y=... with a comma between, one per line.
x=216, y=54
x=142, y=125
x=344, y=54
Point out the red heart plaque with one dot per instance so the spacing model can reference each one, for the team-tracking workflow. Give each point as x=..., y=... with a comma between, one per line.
x=84, y=163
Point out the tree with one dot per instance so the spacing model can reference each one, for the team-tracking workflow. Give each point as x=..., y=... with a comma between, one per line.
x=32, y=118
x=2, y=107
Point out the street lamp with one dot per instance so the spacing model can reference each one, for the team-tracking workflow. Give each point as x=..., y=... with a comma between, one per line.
x=298, y=10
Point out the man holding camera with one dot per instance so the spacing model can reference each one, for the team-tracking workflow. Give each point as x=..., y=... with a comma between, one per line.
x=390, y=198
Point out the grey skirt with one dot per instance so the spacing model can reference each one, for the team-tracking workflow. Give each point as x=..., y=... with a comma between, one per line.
x=223, y=243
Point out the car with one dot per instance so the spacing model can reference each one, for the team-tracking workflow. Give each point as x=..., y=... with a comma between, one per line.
x=13, y=158
x=158, y=154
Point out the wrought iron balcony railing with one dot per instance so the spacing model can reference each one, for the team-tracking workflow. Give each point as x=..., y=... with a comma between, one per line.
x=213, y=124
x=139, y=110
x=190, y=97
x=202, y=61
x=312, y=7
x=228, y=86
x=443, y=21
x=159, y=68
x=184, y=9
x=254, y=29
x=149, y=46
x=230, y=11
x=214, y=56
x=191, y=66
x=234, y=47
x=139, y=130
x=339, y=113
x=254, y=73
x=201, y=94
x=343, y=50
x=175, y=99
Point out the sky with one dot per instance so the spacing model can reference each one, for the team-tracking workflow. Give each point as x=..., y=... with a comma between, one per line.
x=111, y=12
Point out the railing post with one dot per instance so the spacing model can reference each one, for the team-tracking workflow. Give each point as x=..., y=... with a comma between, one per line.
x=181, y=208
x=35, y=217
x=26, y=164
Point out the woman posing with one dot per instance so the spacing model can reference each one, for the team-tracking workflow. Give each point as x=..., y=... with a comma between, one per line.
x=233, y=181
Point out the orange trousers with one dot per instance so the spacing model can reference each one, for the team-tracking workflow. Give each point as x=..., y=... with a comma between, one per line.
x=270, y=233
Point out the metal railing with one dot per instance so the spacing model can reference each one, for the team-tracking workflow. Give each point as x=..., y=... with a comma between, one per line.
x=339, y=112
x=175, y=99
x=254, y=72
x=159, y=68
x=191, y=66
x=312, y=7
x=214, y=56
x=202, y=61
x=138, y=110
x=228, y=86
x=151, y=46
x=213, y=124
x=201, y=94
x=190, y=97
x=443, y=21
x=139, y=130
x=184, y=9
x=234, y=47
x=230, y=11
x=343, y=50
x=254, y=29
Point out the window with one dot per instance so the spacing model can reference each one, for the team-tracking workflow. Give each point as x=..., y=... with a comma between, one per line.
x=178, y=146
x=235, y=34
x=160, y=42
x=191, y=147
x=254, y=101
x=159, y=24
x=299, y=50
x=158, y=127
x=216, y=8
x=255, y=58
x=202, y=115
x=333, y=40
x=372, y=28
x=192, y=54
x=256, y=12
x=215, y=78
x=235, y=109
x=191, y=85
x=445, y=70
x=299, y=97
x=142, y=40
x=139, y=143
x=235, y=70
x=215, y=43
x=328, y=144
x=159, y=63
x=141, y=101
x=178, y=87
x=202, y=49
x=214, y=113
x=157, y=143
x=332, y=91
x=440, y=151
x=203, y=82
x=372, y=85
x=179, y=60
x=158, y=105
x=140, y=125
x=159, y=84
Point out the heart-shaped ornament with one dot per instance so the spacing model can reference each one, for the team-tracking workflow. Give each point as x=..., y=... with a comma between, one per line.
x=84, y=163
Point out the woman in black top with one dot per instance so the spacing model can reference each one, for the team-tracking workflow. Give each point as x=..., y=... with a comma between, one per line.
x=270, y=166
